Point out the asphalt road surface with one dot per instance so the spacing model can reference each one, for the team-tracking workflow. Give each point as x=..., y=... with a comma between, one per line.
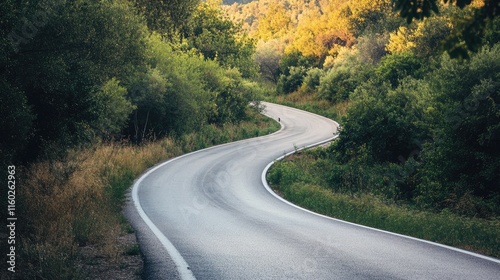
x=208, y=215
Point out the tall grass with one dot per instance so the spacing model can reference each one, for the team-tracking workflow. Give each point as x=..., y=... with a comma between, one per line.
x=299, y=179
x=311, y=103
x=76, y=202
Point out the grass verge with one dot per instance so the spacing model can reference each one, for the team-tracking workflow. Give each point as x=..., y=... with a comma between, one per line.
x=309, y=102
x=71, y=208
x=300, y=179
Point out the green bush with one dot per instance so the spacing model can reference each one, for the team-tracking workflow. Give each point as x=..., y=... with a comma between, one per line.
x=393, y=68
x=461, y=168
x=387, y=123
x=291, y=82
x=312, y=79
x=337, y=84
x=343, y=78
x=286, y=174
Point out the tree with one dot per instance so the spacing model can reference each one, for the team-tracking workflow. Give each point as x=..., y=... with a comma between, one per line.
x=395, y=67
x=423, y=39
x=230, y=100
x=114, y=108
x=386, y=123
x=267, y=56
x=150, y=98
x=291, y=82
x=171, y=97
x=69, y=55
x=16, y=125
x=275, y=23
x=293, y=69
x=401, y=41
x=468, y=32
x=167, y=16
x=312, y=79
x=462, y=164
x=372, y=47
x=295, y=59
x=372, y=17
x=218, y=38
x=337, y=84
x=182, y=91
x=311, y=38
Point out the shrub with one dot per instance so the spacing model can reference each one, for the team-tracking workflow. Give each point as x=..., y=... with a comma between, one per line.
x=387, y=123
x=462, y=166
x=393, y=68
x=312, y=79
x=345, y=75
x=291, y=82
x=337, y=84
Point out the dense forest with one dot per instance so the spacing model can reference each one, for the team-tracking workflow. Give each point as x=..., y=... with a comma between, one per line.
x=72, y=71
x=421, y=88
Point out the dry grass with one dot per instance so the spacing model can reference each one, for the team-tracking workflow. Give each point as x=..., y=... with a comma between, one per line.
x=341, y=107
x=311, y=103
x=75, y=202
x=67, y=207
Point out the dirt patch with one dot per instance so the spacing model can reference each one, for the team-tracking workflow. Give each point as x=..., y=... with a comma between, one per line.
x=126, y=264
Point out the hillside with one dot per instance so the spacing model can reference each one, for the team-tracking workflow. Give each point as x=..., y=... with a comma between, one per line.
x=314, y=28
x=418, y=92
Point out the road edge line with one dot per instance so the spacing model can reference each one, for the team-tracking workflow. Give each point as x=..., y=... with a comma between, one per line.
x=268, y=188
x=182, y=266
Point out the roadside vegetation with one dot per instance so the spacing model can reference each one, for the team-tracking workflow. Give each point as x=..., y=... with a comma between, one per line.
x=92, y=94
x=301, y=179
x=417, y=95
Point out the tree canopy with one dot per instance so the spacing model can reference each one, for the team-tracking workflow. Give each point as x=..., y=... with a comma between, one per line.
x=167, y=16
x=468, y=31
x=74, y=71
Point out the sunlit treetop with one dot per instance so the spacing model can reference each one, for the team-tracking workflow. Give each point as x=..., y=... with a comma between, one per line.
x=468, y=32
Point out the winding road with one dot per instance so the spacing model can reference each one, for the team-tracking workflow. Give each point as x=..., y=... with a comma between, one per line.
x=208, y=215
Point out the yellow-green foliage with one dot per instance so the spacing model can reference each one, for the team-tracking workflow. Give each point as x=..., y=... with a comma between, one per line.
x=314, y=28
